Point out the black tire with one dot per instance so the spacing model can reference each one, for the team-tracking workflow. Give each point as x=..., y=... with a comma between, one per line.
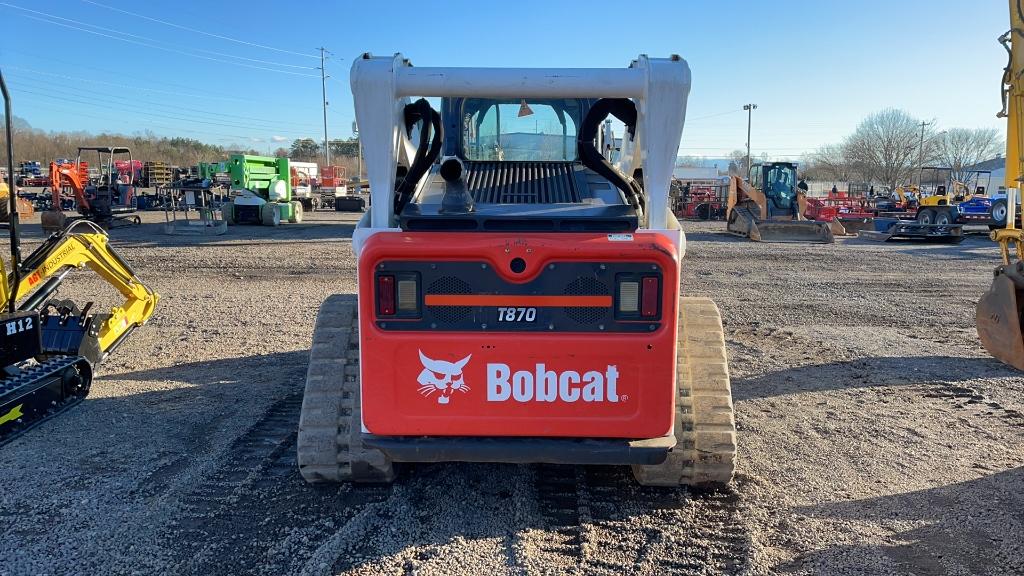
x=944, y=217
x=998, y=213
x=926, y=216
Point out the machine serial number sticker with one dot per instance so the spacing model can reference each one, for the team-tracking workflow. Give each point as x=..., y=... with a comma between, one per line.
x=514, y=314
x=620, y=237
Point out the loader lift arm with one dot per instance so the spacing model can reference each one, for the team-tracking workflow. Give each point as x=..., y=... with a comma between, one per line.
x=45, y=268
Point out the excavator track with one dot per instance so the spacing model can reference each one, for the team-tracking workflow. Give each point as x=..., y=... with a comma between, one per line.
x=38, y=392
x=705, y=427
x=330, y=447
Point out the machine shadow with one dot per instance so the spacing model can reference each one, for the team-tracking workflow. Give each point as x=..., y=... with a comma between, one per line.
x=151, y=234
x=959, y=528
x=372, y=523
x=868, y=372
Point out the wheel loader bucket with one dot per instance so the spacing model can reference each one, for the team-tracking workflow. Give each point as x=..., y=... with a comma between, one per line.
x=999, y=316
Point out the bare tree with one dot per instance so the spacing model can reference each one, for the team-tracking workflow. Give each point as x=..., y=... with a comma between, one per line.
x=830, y=162
x=961, y=148
x=886, y=146
x=739, y=159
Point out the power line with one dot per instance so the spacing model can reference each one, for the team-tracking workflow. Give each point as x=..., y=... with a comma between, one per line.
x=33, y=83
x=172, y=50
x=143, y=112
x=714, y=115
x=210, y=34
x=106, y=71
x=125, y=86
x=164, y=126
x=130, y=35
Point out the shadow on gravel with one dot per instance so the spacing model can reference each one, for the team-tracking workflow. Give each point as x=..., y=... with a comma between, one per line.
x=721, y=237
x=972, y=527
x=237, y=505
x=152, y=234
x=865, y=372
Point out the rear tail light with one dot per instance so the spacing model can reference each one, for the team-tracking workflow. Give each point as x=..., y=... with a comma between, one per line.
x=629, y=297
x=637, y=297
x=386, y=295
x=398, y=294
x=408, y=291
x=649, y=297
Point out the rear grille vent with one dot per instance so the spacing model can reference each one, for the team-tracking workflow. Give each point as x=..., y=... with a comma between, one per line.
x=492, y=182
x=584, y=286
x=450, y=285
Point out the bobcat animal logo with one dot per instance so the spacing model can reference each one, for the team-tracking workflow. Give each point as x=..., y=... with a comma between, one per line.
x=441, y=376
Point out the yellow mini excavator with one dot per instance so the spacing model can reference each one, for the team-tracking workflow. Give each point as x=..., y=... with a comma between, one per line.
x=1000, y=309
x=49, y=348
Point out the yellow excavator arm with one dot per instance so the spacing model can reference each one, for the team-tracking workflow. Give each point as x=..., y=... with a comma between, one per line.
x=67, y=251
x=999, y=311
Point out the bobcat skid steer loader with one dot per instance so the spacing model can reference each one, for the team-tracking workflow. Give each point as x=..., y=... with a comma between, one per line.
x=519, y=295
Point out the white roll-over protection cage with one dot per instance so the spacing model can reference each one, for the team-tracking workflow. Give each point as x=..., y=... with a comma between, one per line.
x=382, y=86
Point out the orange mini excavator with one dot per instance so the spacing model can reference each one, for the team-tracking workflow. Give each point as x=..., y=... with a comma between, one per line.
x=105, y=203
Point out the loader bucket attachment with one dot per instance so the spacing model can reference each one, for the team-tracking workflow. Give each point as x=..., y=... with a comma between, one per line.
x=855, y=225
x=999, y=316
x=838, y=229
x=803, y=231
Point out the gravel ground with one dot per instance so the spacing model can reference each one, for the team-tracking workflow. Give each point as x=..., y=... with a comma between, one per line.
x=876, y=435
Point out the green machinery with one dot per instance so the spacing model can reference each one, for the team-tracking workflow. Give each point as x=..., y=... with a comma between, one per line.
x=261, y=191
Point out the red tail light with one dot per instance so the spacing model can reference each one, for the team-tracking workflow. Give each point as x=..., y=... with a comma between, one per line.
x=649, y=295
x=386, y=295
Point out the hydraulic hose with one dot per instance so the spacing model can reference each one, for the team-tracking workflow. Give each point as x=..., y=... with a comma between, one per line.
x=427, y=151
x=625, y=110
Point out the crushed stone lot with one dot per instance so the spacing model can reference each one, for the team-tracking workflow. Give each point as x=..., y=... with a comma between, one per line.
x=876, y=435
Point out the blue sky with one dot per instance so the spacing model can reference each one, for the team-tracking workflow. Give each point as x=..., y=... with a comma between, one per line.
x=814, y=68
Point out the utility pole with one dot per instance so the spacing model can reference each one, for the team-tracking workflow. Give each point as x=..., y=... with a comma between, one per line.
x=323, y=85
x=750, y=112
x=920, y=156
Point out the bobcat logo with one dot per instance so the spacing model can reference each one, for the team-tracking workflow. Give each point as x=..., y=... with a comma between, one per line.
x=441, y=376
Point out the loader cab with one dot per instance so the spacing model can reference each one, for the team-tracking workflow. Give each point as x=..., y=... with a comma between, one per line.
x=521, y=164
x=777, y=180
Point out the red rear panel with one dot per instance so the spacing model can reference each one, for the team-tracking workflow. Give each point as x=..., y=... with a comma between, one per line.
x=518, y=335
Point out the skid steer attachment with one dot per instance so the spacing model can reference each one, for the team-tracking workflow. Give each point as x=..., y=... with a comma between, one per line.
x=894, y=229
x=753, y=215
x=519, y=297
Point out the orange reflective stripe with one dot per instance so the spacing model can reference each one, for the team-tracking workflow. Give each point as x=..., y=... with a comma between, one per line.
x=516, y=300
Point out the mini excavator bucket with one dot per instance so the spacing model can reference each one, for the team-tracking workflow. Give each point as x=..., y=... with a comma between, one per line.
x=999, y=316
x=999, y=310
x=747, y=216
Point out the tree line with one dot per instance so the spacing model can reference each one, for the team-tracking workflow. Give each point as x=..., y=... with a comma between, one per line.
x=41, y=146
x=889, y=147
